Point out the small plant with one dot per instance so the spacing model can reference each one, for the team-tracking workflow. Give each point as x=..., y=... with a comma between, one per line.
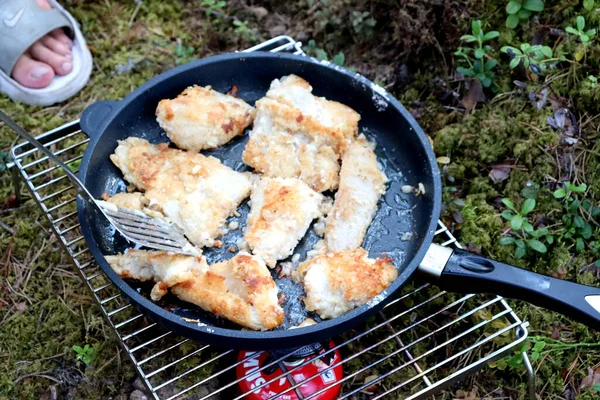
x=86, y=354
x=524, y=237
x=534, y=58
x=363, y=23
x=312, y=49
x=592, y=81
x=588, y=4
x=481, y=67
x=244, y=31
x=518, y=10
x=213, y=7
x=183, y=54
x=577, y=227
x=585, y=37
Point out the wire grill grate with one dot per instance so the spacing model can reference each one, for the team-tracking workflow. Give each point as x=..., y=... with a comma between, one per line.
x=418, y=344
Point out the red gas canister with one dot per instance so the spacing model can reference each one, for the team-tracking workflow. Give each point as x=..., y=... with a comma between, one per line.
x=251, y=377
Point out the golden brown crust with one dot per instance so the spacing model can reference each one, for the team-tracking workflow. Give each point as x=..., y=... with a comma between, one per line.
x=195, y=192
x=335, y=283
x=201, y=118
x=281, y=213
x=241, y=290
x=298, y=135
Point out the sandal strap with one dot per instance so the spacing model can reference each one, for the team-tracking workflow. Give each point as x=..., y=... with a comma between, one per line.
x=22, y=23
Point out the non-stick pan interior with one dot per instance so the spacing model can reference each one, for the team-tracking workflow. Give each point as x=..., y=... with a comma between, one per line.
x=403, y=221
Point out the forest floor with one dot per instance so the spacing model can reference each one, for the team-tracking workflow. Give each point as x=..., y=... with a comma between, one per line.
x=512, y=129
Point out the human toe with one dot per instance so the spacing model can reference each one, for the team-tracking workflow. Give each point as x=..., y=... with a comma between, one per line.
x=59, y=63
x=31, y=73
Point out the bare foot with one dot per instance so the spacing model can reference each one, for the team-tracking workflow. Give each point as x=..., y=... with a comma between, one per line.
x=49, y=56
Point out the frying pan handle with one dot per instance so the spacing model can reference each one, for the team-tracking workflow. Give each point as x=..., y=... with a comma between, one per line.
x=94, y=116
x=470, y=273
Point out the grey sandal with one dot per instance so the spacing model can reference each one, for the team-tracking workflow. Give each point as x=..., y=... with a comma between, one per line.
x=22, y=23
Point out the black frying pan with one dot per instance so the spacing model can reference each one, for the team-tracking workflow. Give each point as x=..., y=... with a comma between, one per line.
x=402, y=149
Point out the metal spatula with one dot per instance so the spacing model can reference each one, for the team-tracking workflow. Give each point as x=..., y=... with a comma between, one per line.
x=135, y=226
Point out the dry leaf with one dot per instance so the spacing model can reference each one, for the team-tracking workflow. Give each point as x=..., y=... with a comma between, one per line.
x=443, y=160
x=499, y=173
x=474, y=96
x=591, y=379
x=371, y=389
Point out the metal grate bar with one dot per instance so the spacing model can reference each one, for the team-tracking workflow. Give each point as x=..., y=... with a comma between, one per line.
x=418, y=324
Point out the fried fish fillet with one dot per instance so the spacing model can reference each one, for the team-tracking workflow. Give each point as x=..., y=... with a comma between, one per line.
x=240, y=290
x=299, y=135
x=336, y=283
x=202, y=118
x=281, y=212
x=361, y=184
x=195, y=192
x=164, y=268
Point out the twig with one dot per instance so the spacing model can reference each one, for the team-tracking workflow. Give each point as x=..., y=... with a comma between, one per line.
x=40, y=374
x=137, y=8
x=7, y=228
x=9, y=210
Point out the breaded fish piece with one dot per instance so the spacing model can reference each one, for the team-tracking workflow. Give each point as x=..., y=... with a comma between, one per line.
x=362, y=182
x=277, y=150
x=240, y=290
x=202, y=118
x=165, y=268
x=280, y=214
x=299, y=135
x=336, y=283
x=318, y=114
x=195, y=192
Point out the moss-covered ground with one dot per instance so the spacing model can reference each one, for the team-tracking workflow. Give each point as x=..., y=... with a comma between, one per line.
x=520, y=138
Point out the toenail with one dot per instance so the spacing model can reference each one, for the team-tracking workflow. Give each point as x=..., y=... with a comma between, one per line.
x=68, y=56
x=39, y=72
x=66, y=66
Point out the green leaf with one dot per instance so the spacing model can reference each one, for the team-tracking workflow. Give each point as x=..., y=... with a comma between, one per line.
x=514, y=63
x=579, y=221
x=590, y=32
x=512, y=21
x=533, y=5
x=520, y=252
x=588, y=4
x=339, y=59
x=486, y=82
x=535, y=356
x=586, y=231
x=520, y=243
x=507, y=214
x=468, y=38
x=465, y=71
x=491, y=35
x=547, y=51
x=597, y=263
x=530, y=192
x=508, y=203
x=505, y=49
x=596, y=387
x=579, y=189
x=536, y=245
x=539, y=346
x=595, y=211
x=550, y=239
x=513, y=7
x=560, y=193
x=506, y=240
x=476, y=27
x=527, y=227
x=524, y=14
x=479, y=53
x=580, y=23
x=78, y=349
x=490, y=64
x=528, y=206
x=516, y=222
x=524, y=47
x=572, y=30
x=579, y=245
